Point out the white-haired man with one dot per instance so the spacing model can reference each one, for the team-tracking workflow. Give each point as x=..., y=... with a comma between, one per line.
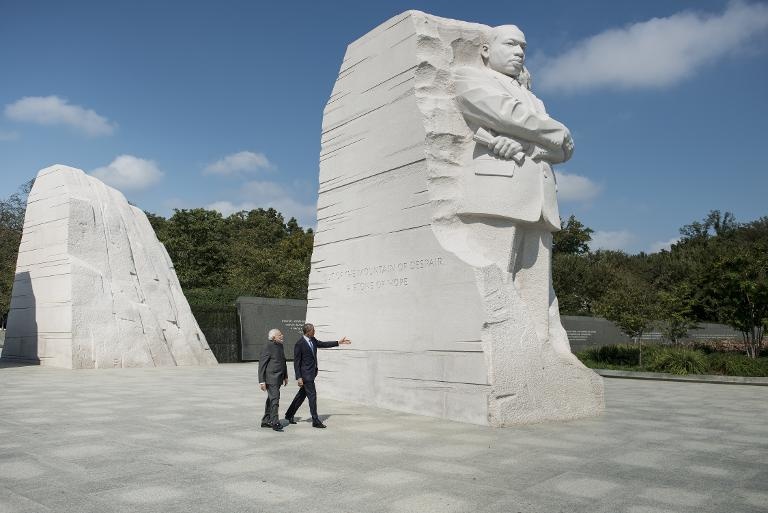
x=509, y=196
x=273, y=372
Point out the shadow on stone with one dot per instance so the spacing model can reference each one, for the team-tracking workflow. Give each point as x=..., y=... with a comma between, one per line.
x=21, y=346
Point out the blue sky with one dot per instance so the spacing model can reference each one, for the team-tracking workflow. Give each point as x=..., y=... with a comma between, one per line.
x=219, y=105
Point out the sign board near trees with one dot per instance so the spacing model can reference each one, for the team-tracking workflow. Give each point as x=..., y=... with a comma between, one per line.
x=258, y=315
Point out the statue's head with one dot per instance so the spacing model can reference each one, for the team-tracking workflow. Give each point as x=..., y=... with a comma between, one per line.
x=505, y=51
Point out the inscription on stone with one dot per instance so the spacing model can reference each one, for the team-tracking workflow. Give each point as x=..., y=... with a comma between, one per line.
x=580, y=335
x=388, y=275
x=293, y=324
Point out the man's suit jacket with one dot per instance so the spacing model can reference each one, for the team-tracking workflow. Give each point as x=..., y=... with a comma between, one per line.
x=498, y=187
x=305, y=359
x=272, y=367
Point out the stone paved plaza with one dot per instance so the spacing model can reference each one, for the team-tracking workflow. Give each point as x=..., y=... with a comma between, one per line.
x=188, y=439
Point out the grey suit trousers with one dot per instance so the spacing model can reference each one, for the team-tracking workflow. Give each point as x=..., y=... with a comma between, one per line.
x=271, y=406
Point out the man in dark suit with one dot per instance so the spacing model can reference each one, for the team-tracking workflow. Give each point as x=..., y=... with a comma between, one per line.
x=305, y=365
x=273, y=372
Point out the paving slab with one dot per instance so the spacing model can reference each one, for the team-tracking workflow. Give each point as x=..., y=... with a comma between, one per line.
x=188, y=439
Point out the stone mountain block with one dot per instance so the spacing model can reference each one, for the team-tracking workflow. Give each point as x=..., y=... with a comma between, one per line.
x=94, y=288
x=438, y=326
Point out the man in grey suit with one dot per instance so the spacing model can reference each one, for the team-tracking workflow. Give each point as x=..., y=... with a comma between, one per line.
x=273, y=372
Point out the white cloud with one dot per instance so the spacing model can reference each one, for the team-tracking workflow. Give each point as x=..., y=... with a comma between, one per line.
x=666, y=245
x=572, y=187
x=264, y=190
x=654, y=53
x=263, y=194
x=227, y=207
x=127, y=172
x=52, y=110
x=243, y=161
x=8, y=136
x=617, y=240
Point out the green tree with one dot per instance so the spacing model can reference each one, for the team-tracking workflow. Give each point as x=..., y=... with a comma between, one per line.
x=578, y=276
x=716, y=272
x=253, y=253
x=12, y=212
x=159, y=224
x=716, y=223
x=728, y=263
x=197, y=241
x=733, y=280
x=675, y=309
x=632, y=305
x=271, y=258
x=573, y=238
x=580, y=280
x=742, y=288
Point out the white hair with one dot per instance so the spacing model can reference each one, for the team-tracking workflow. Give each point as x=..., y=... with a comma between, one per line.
x=273, y=333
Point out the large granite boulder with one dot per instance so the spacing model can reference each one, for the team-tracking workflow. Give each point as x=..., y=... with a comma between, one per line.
x=413, y=241
x=94, y=288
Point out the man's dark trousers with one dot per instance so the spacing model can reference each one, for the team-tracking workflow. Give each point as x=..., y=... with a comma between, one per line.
x=270, y=408
x=307, y=391
x=305, y=366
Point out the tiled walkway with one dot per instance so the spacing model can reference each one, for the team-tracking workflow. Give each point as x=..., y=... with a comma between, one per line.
x=189, y=440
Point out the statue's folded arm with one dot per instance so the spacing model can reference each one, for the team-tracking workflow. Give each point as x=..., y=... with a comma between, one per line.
x=483, y=104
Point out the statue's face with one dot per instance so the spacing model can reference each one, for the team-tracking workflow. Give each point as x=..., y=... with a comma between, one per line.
x=506, y=52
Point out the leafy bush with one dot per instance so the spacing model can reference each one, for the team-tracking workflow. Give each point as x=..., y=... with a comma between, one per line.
x=732, y=364
x=717, y=346
x=609, y=366
x=223, y=296
x=673, y=360
x=615, y=354
x=704, y=347
x=676, y=361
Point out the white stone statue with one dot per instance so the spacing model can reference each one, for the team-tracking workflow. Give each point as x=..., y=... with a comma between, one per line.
x=510, y=190
x=436, y=209
x=94, y=288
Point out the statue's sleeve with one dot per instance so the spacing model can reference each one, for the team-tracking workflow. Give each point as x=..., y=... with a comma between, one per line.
x=486, y=104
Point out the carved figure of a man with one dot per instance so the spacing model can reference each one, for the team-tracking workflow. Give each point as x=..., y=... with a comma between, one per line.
x=509, y=194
